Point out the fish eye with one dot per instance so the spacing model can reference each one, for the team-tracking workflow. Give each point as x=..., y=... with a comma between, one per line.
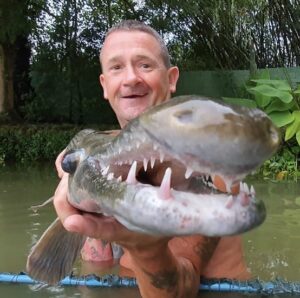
x=71, y=160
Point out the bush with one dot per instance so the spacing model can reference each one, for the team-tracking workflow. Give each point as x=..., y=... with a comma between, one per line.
x=34, y=142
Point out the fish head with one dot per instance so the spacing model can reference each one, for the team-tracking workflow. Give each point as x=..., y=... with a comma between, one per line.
x=212, y=135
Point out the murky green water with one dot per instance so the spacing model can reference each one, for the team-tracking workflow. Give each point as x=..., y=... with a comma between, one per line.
x=271, y=250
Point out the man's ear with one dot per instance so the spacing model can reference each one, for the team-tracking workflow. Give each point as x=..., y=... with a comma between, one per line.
x=173, y=73
x=103, y=84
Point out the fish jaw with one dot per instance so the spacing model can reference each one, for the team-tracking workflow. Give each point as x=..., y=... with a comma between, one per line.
x=162, y=210
x=182, y=214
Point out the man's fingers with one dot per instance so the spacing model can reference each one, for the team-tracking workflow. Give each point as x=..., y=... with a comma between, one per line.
x=61, y=204
x=60, y=171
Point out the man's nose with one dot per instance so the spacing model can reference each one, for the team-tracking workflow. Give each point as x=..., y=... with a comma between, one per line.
x=131, y=76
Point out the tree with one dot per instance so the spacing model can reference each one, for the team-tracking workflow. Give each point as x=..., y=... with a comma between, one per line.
x=17, y=17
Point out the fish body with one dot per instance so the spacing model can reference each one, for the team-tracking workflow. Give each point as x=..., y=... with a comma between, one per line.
x=203, y=147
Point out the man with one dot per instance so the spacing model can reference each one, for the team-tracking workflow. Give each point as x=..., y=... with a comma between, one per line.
x=137, y=75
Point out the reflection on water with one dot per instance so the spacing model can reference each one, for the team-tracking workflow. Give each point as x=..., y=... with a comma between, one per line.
x=271, y=250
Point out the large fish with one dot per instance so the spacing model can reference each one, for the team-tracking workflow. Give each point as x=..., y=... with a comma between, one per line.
x=208, y=145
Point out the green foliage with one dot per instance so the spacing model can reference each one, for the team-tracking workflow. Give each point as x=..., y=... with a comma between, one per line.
x=283, y=165
x=33, y=143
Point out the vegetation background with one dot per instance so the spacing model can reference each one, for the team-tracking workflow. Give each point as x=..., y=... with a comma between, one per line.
x=49, y=64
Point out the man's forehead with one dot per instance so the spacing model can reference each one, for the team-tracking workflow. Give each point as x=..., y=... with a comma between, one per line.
x=140, y=45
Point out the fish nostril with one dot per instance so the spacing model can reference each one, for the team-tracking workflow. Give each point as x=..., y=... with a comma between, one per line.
x=184, y=116
x=274, y=136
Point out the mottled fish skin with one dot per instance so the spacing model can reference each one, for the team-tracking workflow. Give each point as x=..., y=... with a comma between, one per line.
x=198, y=137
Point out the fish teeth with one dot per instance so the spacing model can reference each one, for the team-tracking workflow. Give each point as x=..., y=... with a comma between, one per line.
x=252, y=190
x=229, y=202
x=131, y=178
x=145, y=163
x=110, y=176
x=161, y=156
x=105, y=171
x=241, y=186
x=165, y=187
x=119, y=179
x=152, y=162
x=155, y=147
x=137, y=144
x=188, y=173
x=246, y=188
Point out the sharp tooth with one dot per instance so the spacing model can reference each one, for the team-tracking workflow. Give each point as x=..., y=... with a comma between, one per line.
x=229, y=202
x=161, y=156
x=246, y=188
x=188, y=173
x=110, y=176
x=155, y=147
x=105, y=171
x=131, y=174
x=252, y=190
x=211, y=185
x=119, y=179
x=241, y=186
x=138, y=144
x=228, y=185
x=145, y=163
x=152, y=162
x=165, y=187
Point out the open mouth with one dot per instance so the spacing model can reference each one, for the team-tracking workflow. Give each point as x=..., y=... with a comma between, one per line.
x=153, y=167
x=134, y=96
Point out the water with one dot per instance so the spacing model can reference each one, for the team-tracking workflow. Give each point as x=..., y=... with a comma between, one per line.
x=271, y=250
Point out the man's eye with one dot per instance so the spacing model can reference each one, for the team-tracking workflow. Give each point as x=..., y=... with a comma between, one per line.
x=115, y=67
x=145, y=66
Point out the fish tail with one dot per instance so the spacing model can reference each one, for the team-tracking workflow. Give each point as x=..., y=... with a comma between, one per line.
x=53, y=256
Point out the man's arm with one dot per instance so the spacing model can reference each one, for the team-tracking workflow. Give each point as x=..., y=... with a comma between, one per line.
x=172, y=269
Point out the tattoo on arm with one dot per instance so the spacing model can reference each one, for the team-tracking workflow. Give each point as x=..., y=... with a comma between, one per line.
x=164, y=280
x=170, y=281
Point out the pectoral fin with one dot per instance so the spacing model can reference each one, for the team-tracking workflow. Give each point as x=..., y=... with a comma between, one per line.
x=53, y=256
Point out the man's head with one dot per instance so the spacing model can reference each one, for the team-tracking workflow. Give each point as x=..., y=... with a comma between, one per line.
x=136, y=69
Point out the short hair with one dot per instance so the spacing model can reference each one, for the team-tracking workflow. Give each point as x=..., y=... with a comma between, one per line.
x=134, y=25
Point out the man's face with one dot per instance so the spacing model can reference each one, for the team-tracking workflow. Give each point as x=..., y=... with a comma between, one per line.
x=134, y=75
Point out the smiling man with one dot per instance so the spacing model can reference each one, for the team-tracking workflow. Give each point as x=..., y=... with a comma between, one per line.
x=133, y=77
x=137, y=75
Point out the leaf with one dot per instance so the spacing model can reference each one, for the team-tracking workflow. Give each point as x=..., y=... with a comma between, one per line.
x=270, y=91
x=298, y=137
x=262, y=100
x=278, y=105
x=245, y=102
x=294, y=126
x=281, y=119
x=278, y=84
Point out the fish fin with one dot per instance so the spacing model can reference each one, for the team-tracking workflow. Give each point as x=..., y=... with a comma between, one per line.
x=53, y=256
x=36, y=207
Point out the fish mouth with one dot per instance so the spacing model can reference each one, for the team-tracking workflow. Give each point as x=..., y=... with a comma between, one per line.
x=148, y=163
